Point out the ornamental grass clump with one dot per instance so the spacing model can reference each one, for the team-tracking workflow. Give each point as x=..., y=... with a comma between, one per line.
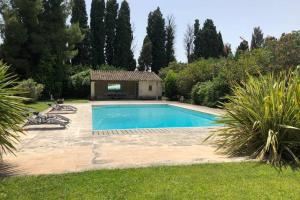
x=262, y=120
x=12, y=111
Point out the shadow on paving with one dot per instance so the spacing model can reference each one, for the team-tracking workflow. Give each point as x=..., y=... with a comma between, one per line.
x=7, y=170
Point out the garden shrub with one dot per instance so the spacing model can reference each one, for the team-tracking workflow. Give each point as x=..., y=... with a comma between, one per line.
x=170, y=85
x=81, y=84
x=210, y=93
x=32, y=90
x=263, y=120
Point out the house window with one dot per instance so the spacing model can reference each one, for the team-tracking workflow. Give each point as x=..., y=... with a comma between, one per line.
x=114, y=87
x=150, y=87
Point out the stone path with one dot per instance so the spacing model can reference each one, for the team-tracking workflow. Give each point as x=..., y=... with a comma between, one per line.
x=52, y=150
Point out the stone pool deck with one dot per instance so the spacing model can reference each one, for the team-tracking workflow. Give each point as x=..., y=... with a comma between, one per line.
x=45, y=150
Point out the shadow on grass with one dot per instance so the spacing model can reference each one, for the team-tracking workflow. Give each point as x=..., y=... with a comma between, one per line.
x=7, y=170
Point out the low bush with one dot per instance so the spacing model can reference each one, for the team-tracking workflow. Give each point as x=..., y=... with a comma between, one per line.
x=210, y=93
x=263, y=120
x=32, y=90
x=170, y=85
x=80, y=84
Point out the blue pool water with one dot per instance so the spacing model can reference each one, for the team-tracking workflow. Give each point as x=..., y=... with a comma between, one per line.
x=114, y=117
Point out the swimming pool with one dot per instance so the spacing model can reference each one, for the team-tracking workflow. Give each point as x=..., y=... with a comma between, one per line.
x=115, y=117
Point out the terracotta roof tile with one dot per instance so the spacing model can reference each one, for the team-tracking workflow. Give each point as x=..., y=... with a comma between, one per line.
x=124, y=76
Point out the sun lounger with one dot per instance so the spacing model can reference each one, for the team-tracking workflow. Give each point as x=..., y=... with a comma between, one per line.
x=39, y=119
x=61, y=107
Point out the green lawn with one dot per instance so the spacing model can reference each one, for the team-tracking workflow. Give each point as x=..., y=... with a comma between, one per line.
x=43, y=105
x=209, y=181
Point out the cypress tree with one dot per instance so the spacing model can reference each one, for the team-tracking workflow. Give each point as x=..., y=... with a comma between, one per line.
x=210, y=44
x=97, y=32
x=157, y=35
x=257, y=38
x=221, y=45
x=197, y=40
x=123, y=53
x=110, y=30
x=145, y=59
x=79, y=15
x=170, y=37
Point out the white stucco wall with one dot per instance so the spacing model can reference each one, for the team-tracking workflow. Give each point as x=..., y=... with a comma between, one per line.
x=144, y=91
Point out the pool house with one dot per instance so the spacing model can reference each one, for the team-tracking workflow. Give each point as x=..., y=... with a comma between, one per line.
x=125, y=85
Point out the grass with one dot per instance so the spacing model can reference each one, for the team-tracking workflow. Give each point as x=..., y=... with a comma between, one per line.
x=207, y=181
x=40, y=106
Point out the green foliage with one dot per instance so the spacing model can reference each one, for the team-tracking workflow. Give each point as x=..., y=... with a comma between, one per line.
x=13, y=111
x=79, y=15
x=257, y=38
x=110, y=30
x=156, y=33
x=242, y=48
x=263, y=120
x=97, y=32
x=170, y=40
x=123, y=54
x=200, y=71
x=208, y=43
x=174, y=66
x=145, y=59
x=285, y=51
x=32, y=89
x=170, y=85
x=210, y=93
x=81, y=83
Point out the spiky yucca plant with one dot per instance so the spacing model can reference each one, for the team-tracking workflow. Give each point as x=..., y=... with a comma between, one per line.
x=262, y=120
x=12, y=111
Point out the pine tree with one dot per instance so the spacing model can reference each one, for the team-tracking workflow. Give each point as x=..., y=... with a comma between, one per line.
x=110, y=30
x=157, y=35
x=145, y=59
x=221, y=45
x=123, y=53
x=197, y=40
x=170, y=37
x=189, y=43
x=79, y=15
x=97, y=32
x=257, y=38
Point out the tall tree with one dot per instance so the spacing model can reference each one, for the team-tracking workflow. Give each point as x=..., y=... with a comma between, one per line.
x=110, y=30
x=189, y=43
x=257, y=38
x=170, y=37
x=123, y=54
x=22, y=42
x=221, y=45
x=197, y=39
x=145, y=59
x=243, y=47
x=97, y=32
x=209, y=42
x=59, y=41
x=157, y=35
x=79, y=15
x=227, y=50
